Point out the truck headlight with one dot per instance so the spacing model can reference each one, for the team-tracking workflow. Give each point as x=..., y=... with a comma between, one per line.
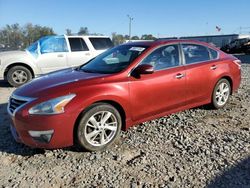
x=53, y=106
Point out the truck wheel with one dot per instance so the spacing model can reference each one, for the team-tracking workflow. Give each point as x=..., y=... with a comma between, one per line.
x=18, y=75
x=99, y=127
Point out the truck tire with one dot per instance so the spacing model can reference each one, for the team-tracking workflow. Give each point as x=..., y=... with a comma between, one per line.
x=18, y=75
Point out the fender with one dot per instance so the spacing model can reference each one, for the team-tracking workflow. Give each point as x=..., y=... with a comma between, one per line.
x=117, y=93
x=26, y=60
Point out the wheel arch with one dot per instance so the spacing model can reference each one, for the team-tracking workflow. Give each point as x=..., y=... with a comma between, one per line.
x=113, y=103
x=18, y=64
x=228, y=78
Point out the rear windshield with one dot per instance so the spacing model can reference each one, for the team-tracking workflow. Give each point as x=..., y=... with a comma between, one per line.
x=101, y=43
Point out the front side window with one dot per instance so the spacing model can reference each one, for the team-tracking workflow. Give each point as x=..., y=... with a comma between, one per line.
x=101, y=43
x=114, y=60
x=163, y=57
x=52, y=44
x=195, y=53
x=77, y=44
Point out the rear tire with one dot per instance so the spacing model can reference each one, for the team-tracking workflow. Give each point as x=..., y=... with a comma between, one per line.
x=221, y=93
x=18, y=75
x=99, y=127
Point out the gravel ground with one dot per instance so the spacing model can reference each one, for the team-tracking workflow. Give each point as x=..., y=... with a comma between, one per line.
x=193, y=148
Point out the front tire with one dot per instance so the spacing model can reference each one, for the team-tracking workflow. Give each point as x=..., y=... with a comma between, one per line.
x=99, y=127
x=18, y=75
x=221, y=93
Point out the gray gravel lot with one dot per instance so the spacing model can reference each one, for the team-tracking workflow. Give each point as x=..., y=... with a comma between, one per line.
x=193, y=148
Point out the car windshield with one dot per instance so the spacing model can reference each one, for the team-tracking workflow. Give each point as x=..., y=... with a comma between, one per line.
x=33, y=49
x=114, y=60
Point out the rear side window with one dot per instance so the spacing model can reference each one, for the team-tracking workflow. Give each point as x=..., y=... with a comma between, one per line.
x=213, y=53
x=101, y=43
x=195, y=53
x=77, y=44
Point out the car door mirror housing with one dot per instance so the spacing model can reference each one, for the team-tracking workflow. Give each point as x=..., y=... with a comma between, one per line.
x=143, y=69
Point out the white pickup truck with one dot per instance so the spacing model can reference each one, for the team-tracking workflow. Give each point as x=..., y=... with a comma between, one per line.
x=49, y=54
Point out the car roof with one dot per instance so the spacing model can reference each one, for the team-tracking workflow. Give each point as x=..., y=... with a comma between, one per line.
x=166, y=41
x=88, y=36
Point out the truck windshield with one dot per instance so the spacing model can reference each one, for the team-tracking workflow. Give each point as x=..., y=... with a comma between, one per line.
x=33, y=49
x=114, y=60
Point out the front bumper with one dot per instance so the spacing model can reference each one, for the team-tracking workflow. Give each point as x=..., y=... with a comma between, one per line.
x=40, y=131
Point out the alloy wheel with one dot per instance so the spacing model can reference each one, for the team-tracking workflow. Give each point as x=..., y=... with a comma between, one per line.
x=101, y=128
x=19, y=76
x=222, y=93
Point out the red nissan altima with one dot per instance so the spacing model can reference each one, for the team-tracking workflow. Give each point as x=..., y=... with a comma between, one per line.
x=124, y=86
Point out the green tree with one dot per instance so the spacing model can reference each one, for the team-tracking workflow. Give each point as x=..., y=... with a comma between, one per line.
x=34, y=32
x=148, y=37
x=118, y=38
x=135, y=38
x=126, y=37
x=11, y=36
x=83, y=31
x=68, y=32
x=18, y=37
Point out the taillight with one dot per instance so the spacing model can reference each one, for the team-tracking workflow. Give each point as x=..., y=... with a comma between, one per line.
x=238, y=63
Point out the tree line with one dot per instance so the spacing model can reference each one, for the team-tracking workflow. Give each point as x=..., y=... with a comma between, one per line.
x=16, y=36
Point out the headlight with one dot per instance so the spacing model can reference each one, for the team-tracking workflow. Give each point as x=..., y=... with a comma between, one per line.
x=53, y=106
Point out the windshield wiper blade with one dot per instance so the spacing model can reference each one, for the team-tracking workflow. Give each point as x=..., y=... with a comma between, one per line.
x=88, y=71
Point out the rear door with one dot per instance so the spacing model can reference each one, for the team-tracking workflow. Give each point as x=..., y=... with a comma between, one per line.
x=80, y=52
x=162, y=91
x=200, y=66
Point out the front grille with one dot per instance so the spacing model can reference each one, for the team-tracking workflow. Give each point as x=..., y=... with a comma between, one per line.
x=15, y=103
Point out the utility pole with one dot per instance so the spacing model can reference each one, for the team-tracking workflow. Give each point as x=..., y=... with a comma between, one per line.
x=130, y=20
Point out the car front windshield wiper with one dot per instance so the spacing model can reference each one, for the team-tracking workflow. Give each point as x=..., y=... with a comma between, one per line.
x=88, y=71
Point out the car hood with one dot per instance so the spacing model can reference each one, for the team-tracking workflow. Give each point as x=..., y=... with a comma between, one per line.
x=58, y=81
x=11, y=54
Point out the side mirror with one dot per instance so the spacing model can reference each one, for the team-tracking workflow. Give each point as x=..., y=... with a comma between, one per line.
x=143, y=69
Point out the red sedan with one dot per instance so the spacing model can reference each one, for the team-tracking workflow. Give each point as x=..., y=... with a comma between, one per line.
x=124, y=86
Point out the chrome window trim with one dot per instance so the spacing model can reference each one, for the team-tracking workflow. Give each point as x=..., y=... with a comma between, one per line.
x=28, y=99
x=198, y=62
x=168, y=44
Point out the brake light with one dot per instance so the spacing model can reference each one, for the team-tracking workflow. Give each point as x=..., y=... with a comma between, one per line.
x=238, y=63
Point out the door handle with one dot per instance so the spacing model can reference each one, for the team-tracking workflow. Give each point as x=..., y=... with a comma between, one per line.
x=60, y=55
x=179, y=76
x=88, y=54
x=213, y=67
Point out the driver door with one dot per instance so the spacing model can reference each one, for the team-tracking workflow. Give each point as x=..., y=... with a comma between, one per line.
x=162, y=91
x=53, y=56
